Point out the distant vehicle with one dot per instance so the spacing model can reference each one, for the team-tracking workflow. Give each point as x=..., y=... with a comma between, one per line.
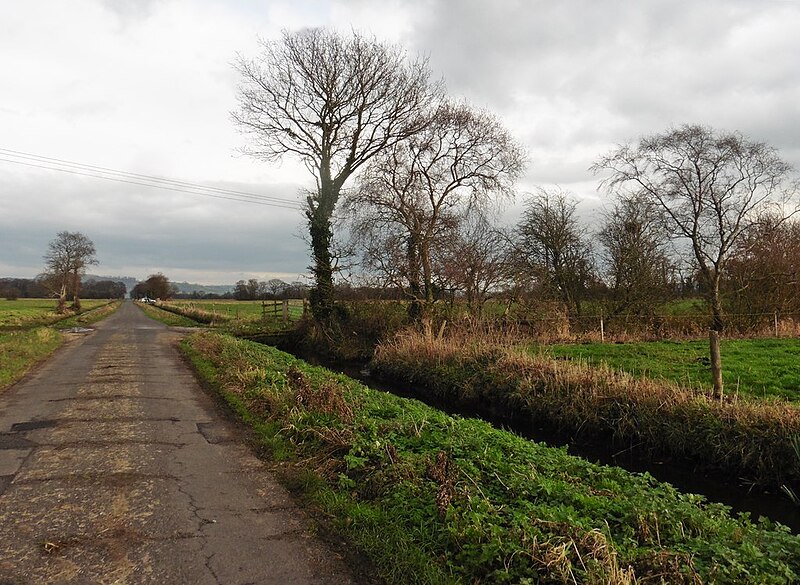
x=148, y=300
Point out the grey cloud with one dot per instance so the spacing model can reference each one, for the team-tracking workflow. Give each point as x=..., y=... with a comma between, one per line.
x=645, y=65
x=147, y=228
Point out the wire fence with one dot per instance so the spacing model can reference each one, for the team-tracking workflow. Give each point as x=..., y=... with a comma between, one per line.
x=602, y=327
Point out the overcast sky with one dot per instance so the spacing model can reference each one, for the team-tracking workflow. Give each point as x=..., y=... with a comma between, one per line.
x=147, y=87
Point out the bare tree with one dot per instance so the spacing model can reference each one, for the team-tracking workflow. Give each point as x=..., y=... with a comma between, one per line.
x=712, y=187
x=763, y=275
x=411, y=198
x=334, y=102
x=636, y=255
x=552, y=245
x=477, y=260
x=66, y=260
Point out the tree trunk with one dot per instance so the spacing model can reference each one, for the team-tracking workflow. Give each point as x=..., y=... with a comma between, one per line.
x=321, y=297
x=416, y=309
x=76, y=285
x=716, y=328
x=716, y=362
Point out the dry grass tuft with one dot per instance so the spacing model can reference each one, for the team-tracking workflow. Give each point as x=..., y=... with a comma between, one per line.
x=326, y=398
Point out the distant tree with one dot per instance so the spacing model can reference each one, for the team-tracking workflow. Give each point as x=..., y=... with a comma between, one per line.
x=551, y=245
x=333, y=101
x=712, y=186
x=763, y=275
x=104, y=289
x=412, y=197
x=635, y=253
x=66, y=260
x=275, y=288
x=10, y=293
x=157, y=286
x=476, y=261
x=27, y=288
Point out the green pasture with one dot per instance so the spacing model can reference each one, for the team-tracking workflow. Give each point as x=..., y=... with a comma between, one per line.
x=244, y=310
x=32, y=312
x=25, y=339
x=758, y=367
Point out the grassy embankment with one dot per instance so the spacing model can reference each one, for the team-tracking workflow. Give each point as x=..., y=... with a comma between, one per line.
x=757, y=367
x=30, y=341
x=749, y=438
x=437, y=499
x=237, y=317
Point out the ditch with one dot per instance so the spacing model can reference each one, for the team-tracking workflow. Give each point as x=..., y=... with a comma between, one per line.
x=690, y=479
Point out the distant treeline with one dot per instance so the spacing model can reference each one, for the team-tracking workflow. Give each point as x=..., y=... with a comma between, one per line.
x=31, y=288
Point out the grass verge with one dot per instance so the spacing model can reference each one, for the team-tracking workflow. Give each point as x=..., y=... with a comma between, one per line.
x=21, y=350
x=438, y=499
x=170, y=318
x=744, y=438
x=89, y=316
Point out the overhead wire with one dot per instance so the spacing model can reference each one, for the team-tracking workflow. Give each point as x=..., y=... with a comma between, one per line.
x=87, y=170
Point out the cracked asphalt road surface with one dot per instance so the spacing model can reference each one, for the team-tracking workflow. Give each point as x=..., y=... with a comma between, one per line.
x=115, y=467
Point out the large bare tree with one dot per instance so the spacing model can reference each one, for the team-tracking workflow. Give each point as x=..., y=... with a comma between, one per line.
x=333, y=101
x=66, y=260
x=411, y=197
x=712, y=186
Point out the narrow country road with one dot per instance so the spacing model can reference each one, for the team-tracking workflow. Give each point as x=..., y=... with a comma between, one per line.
x=115, y=467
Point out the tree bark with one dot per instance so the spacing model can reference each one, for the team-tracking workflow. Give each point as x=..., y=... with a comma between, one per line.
x=416, y=309
x=716, y=362
x=76, y=284
x=321, y=297
x=716, y=328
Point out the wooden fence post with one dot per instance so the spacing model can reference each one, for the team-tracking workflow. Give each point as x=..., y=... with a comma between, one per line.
x=285, y=311
x=602, y=329
x=776, y=323
x=716, y=362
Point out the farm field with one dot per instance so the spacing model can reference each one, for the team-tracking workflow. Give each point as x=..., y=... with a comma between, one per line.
x=244, y=310
x=26, y=339
x=757, y=367
x=31, y=312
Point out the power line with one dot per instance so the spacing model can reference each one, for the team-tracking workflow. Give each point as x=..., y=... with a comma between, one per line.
x=108, y=174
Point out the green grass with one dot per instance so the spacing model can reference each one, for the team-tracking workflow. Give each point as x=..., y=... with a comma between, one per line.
x=21, y=350
x=439, y=499
x=744, y=437
x=243, y=310
x=34, y=312
x=756, y=367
